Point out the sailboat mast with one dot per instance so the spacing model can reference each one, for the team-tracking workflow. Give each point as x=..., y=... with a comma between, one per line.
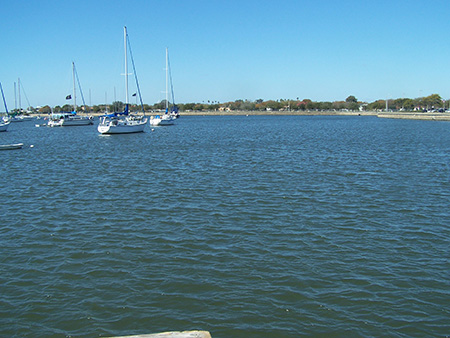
x=74, y=88
x=167, y=80
x=15, y=97
x=126, y=65
x=20, y=103
x=4, y=101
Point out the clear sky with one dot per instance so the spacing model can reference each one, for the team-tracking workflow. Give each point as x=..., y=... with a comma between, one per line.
x=323, y=50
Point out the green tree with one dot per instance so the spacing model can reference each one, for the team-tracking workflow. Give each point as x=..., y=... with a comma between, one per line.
x=260, y=105
x=351, y=99
x=274, y=105
x=247, y=105
x=198, y=106
x=188, y=106
x=408, y=104
x=214, y=106
x=236, y=105
x=432, y=101
x=160, y=105
x=45, y=110
x=377, y=105
x=325, y=105
x=118, y=106
x=402, y=104
x=339, y=105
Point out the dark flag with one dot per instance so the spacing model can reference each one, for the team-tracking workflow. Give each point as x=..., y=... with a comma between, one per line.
x=68, y=97
x=134, y=94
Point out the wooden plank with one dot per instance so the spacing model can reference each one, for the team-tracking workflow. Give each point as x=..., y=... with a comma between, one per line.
x=172, y=334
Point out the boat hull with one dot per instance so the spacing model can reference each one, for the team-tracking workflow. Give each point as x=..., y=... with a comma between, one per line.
x=11, y=146
x=78, y=122
x=122, y=127
x=68, y=122
x=161, y=121
x=4, y=126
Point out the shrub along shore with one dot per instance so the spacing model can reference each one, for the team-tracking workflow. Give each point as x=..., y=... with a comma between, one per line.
x=394, y=115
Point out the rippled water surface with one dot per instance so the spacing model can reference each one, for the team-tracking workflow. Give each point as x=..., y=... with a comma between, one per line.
x=249, y=227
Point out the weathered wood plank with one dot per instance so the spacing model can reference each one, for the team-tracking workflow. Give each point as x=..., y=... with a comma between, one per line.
x=172, y=334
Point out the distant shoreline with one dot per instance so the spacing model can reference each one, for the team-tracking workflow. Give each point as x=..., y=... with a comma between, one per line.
x=393, y=115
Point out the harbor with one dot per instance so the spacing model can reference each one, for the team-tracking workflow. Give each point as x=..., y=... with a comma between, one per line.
x=240, y=226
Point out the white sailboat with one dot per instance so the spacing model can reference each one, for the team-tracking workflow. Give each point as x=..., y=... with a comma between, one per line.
x=4, y=125
x=5, y=121
x=167, y=118
x=174, y=108
x=71, y=118
x=124, y=122
x=19, y=114
x=16, y=115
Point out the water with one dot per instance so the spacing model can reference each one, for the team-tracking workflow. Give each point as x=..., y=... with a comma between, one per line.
x=255, y=226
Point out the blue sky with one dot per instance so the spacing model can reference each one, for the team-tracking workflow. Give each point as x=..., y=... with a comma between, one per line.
x=323, y=50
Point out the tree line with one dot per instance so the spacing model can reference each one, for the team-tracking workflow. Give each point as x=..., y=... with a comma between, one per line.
x=351, y=103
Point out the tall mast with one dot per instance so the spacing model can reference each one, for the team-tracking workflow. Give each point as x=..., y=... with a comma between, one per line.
x=167, y=80
x=74, y=89
x=4, y=101
x=15, y=96
x=20, y=103
x=126, y=64
x=115, y=100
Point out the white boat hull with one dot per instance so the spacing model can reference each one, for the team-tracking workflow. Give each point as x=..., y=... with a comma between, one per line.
x=4, y=126
x=122, y=126
x=78, y=122
x=11, y=146
x=71, y=121
x=165, y=120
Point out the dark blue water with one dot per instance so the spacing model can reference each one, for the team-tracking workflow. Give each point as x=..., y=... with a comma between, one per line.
x=255, y=226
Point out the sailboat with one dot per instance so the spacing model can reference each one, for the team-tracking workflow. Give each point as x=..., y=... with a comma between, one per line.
x=167, y=118
x=174, y=108
x=20, y=114
x=71, y=118
x=124, y=122
x=16, y=115
x=4, y=123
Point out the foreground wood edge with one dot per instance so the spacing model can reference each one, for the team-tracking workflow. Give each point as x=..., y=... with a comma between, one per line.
x=173, y=334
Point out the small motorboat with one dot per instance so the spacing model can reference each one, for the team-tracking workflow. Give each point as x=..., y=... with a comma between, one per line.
x=11, y=146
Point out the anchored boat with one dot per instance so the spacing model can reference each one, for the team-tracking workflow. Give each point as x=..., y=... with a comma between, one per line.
x=124, y=122
x=71, y=118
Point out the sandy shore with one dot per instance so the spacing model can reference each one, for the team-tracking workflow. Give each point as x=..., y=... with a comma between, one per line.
x=392, y=115
x=417, y=116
